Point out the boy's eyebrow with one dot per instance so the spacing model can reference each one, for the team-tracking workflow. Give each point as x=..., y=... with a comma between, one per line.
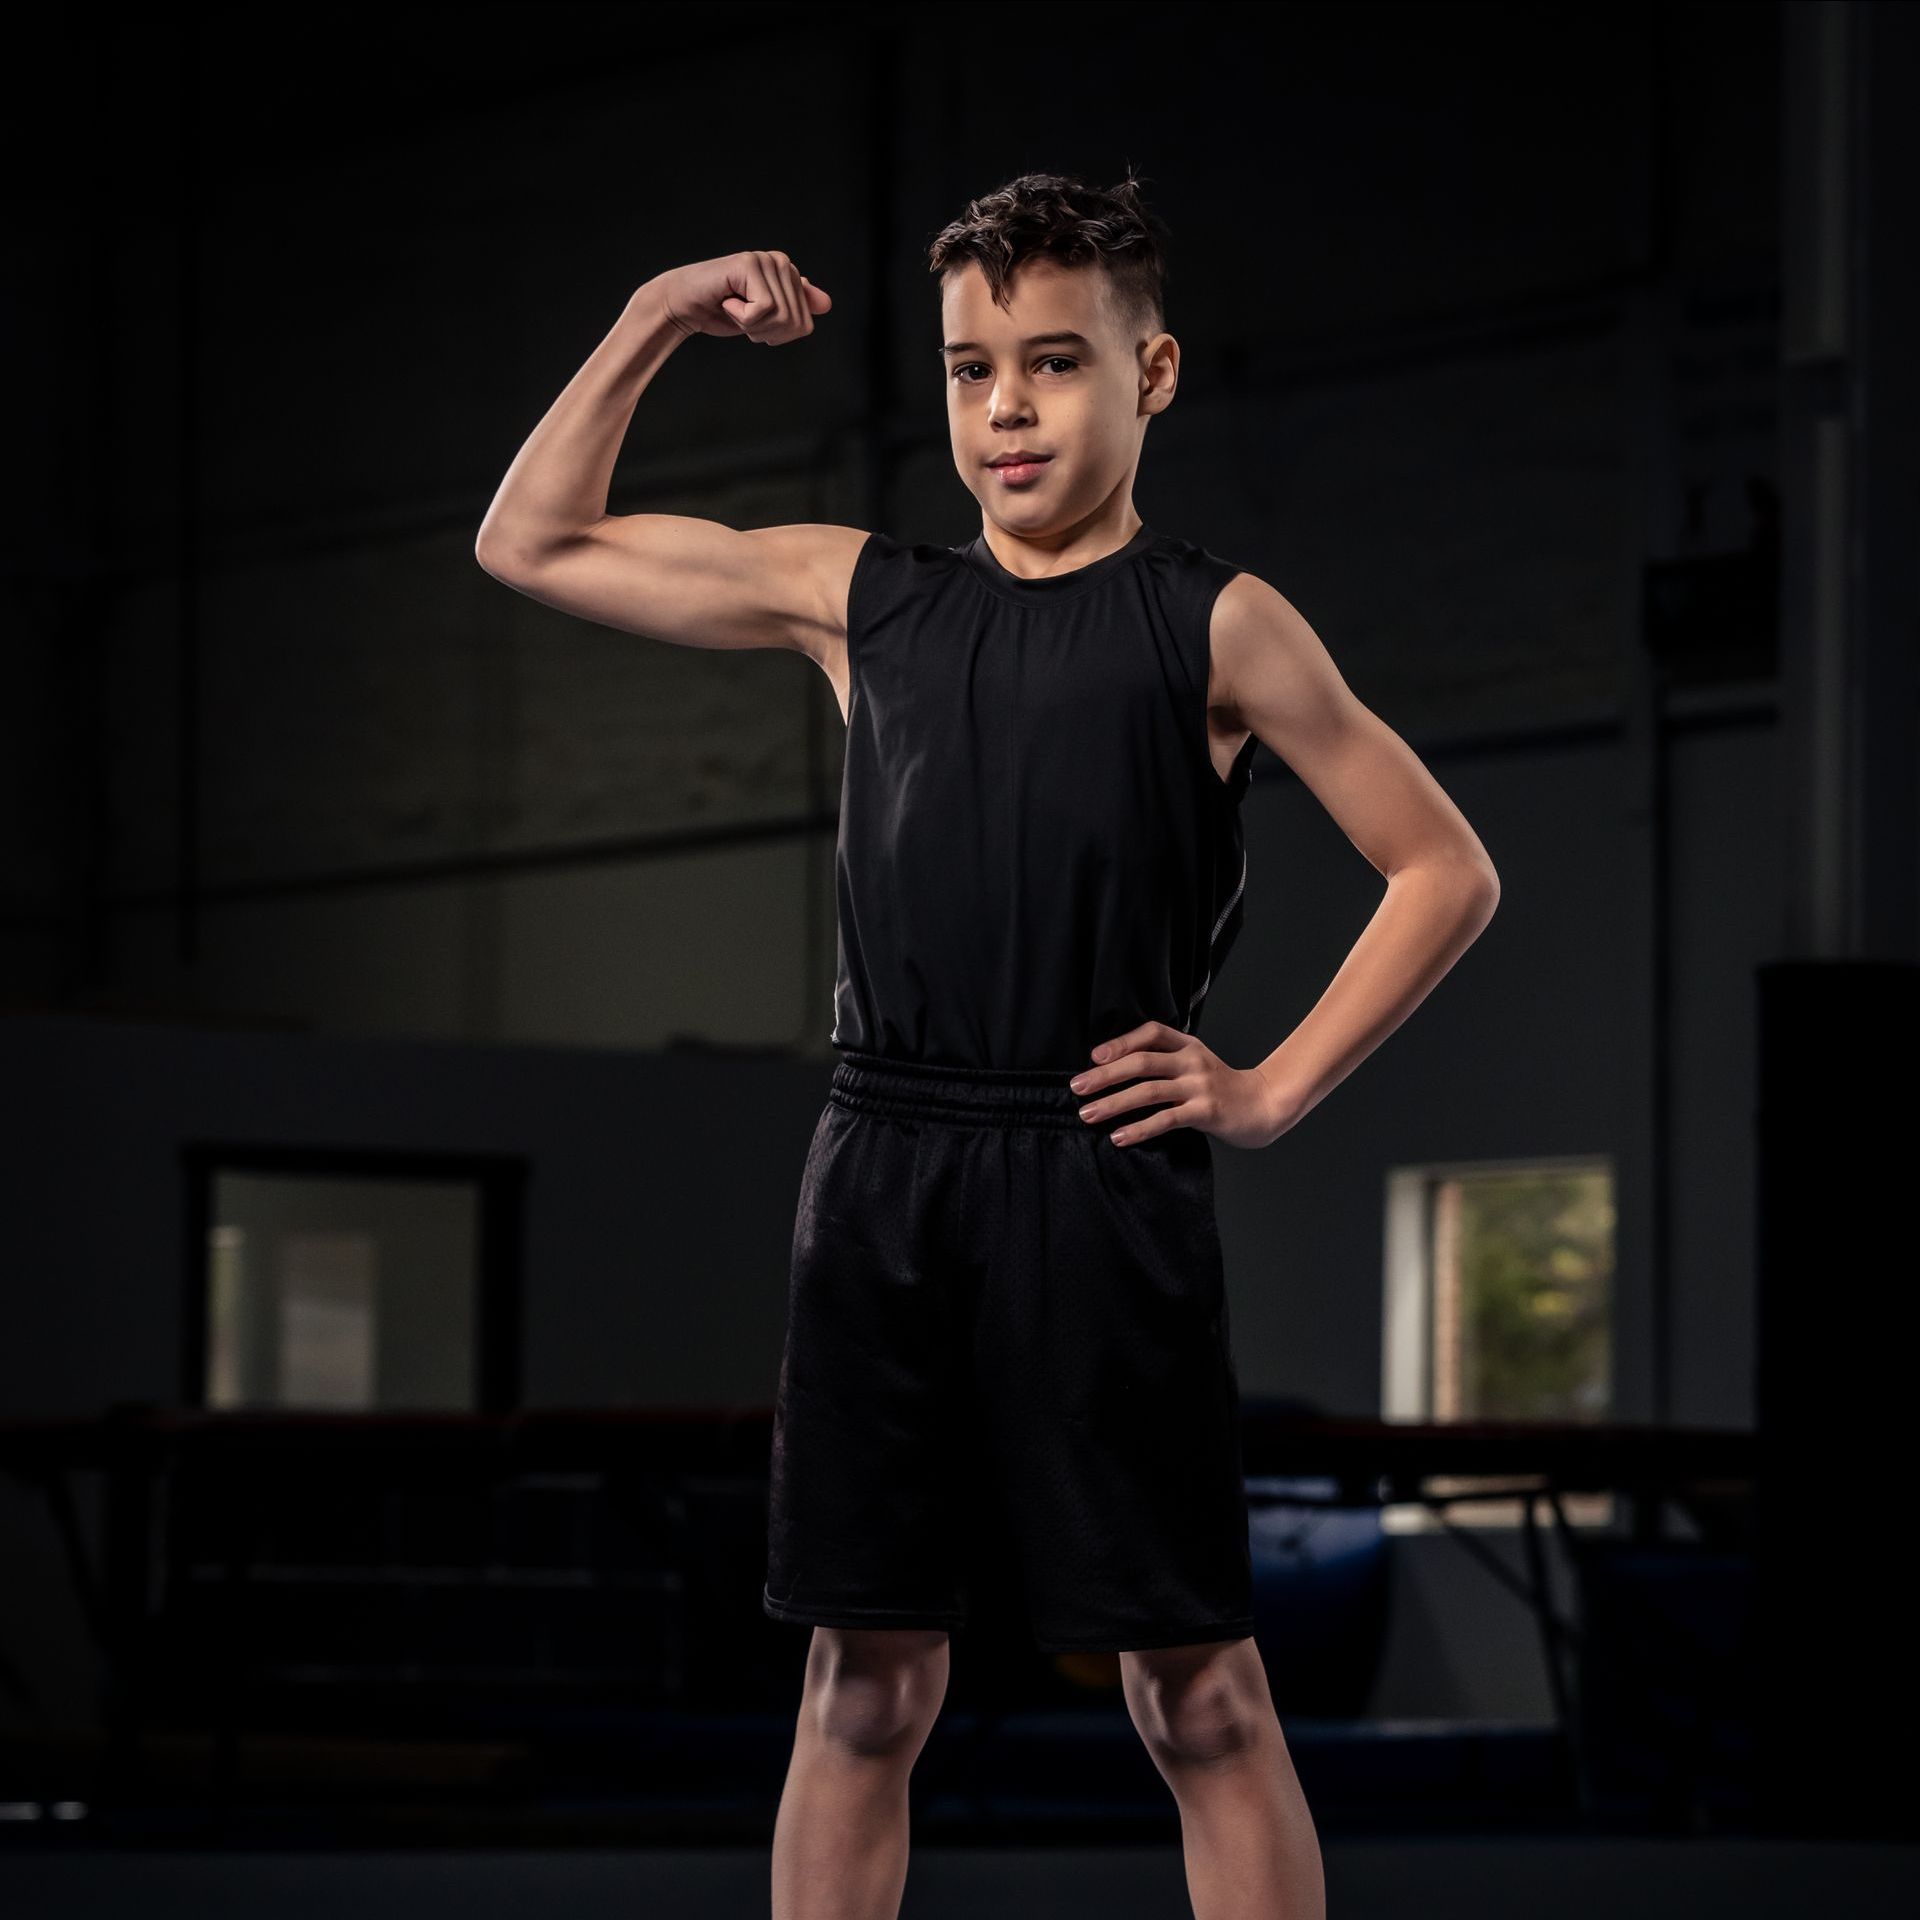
x=1066, y=337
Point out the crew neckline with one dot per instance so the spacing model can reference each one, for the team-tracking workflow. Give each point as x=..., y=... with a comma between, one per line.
x=1053, y=586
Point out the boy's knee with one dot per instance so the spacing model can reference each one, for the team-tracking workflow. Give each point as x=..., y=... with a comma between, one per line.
x=1202, y=1713
x=875, y=1694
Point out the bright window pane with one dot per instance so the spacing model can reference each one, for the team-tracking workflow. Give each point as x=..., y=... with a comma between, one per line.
x=1522, y=1266
x=330, y=1292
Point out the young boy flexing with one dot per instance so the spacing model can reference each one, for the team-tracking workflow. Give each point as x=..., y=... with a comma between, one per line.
x=998, y=1292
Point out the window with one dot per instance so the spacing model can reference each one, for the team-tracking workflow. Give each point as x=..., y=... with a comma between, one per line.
x=1499, y=1297
x=348, y=1282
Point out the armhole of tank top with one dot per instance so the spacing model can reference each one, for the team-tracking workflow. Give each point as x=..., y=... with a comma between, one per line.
x=870, y=549
x=1214, y=582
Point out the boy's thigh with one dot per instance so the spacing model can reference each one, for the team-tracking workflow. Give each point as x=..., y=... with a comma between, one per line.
x=864, y=1514
x=1108, y=1387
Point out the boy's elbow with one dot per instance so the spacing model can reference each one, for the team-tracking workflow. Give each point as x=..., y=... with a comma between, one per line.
x=496, y=558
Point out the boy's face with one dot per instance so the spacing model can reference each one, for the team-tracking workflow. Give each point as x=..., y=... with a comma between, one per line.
x=1083, y=400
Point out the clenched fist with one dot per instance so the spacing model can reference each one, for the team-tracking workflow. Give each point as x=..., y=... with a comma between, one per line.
x=760, y=293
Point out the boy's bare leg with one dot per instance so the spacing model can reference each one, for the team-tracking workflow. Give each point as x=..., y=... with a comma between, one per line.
x=869, y=1701
x=1207, y=1718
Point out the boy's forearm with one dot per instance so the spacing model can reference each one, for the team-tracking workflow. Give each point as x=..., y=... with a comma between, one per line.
x=559, y=479
x=1430, y=915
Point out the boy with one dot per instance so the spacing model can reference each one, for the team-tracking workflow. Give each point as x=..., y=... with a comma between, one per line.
x=1040, y=871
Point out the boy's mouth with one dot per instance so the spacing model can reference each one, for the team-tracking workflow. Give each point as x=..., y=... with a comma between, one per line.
x=1018, y=466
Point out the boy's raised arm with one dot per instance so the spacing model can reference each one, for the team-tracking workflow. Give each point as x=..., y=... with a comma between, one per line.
x=693, y=582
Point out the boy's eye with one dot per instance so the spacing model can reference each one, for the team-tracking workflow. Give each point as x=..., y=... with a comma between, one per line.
x=1052, y=359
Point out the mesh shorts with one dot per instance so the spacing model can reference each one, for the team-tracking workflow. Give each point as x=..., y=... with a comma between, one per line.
x=991, y=1303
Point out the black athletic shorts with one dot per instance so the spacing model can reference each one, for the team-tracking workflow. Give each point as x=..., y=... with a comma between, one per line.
x=991, y=1303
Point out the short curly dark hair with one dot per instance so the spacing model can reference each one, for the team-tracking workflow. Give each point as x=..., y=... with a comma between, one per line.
x=1058, y=217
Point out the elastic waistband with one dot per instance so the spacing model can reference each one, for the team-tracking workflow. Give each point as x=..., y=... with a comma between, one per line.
x=974, y=1096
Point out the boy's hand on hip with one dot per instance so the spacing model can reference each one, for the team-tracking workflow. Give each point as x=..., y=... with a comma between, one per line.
x=1234, y=1104
x=760, y=293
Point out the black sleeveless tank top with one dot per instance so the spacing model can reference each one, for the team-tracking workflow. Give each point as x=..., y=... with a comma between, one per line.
x=1035, y=852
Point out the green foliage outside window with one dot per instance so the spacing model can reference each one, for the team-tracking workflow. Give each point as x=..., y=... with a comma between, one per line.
x=1528, y=1257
